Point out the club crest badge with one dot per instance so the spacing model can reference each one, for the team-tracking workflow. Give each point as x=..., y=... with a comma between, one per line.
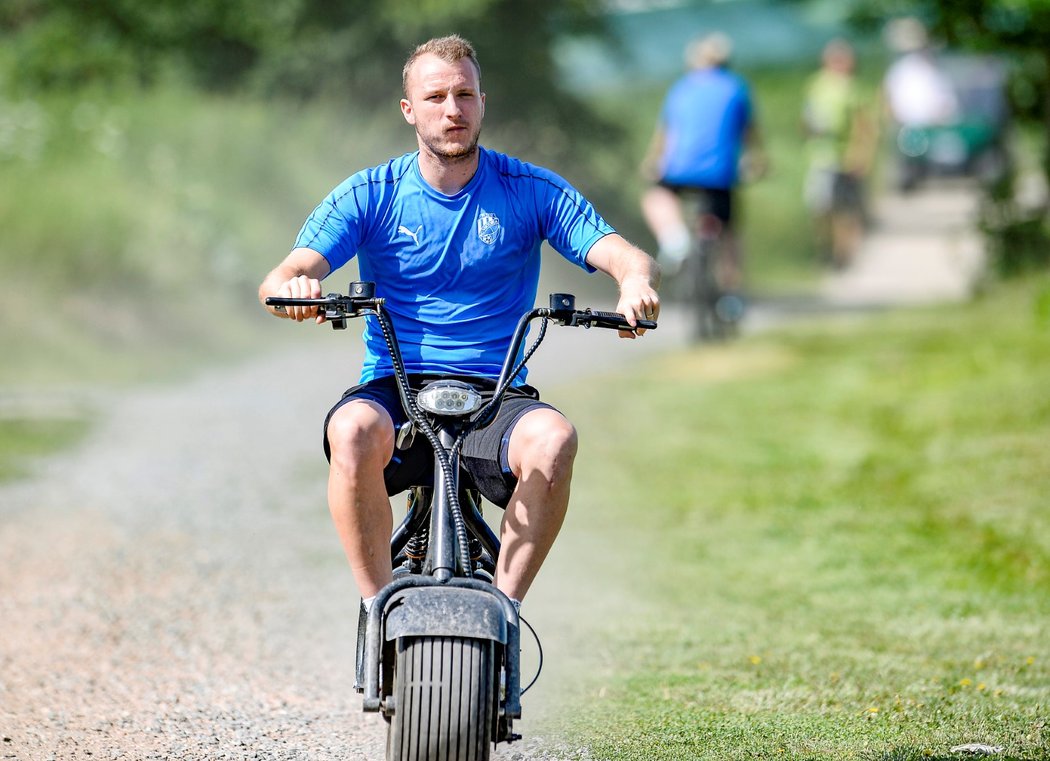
x=488, y=228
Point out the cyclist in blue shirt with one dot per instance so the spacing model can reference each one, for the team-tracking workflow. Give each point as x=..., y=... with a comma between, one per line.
x=706, y=128
x=451, y=235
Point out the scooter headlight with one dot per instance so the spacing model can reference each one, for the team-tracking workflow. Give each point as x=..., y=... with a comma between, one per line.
x=449, y=397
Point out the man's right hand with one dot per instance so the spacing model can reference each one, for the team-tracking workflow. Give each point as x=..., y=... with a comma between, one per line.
x=297, y=277
x=300, y=287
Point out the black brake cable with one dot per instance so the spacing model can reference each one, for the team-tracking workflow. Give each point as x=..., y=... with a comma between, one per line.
x=539, y=647
x=419, y=420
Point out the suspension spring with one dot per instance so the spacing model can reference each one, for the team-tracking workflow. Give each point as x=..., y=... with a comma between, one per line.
x=417, y=545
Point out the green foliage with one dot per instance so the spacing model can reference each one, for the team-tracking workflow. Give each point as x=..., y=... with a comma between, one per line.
x=1017, y=235
x=58, y=44
x=291, y=47
x=988, y=24
x=1018, y=242
x=826, y=543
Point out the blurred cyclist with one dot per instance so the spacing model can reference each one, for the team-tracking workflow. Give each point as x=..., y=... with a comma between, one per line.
x=706, y=127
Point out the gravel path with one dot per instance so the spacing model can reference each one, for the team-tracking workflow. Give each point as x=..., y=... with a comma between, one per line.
x=169, y=589
x=172, y=589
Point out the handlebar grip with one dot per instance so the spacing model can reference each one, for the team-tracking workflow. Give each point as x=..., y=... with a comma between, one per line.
x=280, y=301
x=616, y=321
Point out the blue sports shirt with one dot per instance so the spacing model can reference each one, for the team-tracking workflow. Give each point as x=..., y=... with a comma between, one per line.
x=705, y=116
x=457, y=272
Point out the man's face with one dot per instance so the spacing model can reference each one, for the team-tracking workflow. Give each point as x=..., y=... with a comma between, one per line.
x=445, y=105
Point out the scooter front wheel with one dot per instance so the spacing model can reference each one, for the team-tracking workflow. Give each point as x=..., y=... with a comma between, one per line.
x=444, y=699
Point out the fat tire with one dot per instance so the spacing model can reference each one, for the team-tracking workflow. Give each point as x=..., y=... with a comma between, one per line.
x=444, y=698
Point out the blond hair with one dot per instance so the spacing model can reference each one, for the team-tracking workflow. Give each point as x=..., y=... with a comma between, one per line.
x=449, y=49
x=710, y=51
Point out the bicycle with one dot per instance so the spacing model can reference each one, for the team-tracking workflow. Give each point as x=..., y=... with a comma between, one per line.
x=438, y=653
x=715, y=308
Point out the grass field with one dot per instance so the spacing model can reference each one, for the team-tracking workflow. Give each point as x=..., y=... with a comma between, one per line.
x=827, y=542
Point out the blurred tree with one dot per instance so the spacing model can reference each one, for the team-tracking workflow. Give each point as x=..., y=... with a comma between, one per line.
x=346, y=51
x=67, y=44
x=302, y=48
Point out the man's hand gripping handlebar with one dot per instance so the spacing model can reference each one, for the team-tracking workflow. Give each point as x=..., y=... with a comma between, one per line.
x=335, y=308
x=563, y=311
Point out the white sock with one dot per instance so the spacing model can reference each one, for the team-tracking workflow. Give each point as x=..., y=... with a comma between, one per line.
x=674, y=244
x=367, y=602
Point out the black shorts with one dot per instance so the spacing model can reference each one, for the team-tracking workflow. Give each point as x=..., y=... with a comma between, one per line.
x=484, y=455
x=717, y=202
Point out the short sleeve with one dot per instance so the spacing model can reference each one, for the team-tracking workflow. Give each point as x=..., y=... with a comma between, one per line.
x=569, y=222
x=334, y=229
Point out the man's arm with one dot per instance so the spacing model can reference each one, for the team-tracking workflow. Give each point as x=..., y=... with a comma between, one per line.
x=635, y=272
x=298, y=277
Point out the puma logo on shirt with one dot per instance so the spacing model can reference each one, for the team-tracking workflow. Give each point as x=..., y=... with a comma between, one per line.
x=413, y=235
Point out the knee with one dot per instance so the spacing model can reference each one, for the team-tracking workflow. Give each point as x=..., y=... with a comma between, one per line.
x=360, y=435
x=546, y=442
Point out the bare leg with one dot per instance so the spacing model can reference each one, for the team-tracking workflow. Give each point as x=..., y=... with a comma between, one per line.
x=663, y=214
x=361, y=437
x=541, y=452
x=846, y=233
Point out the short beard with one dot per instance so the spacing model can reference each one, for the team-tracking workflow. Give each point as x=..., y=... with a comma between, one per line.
x=457, y=155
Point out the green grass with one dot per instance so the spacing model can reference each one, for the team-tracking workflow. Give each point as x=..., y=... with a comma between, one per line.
x=22, y=439
x=830, y=542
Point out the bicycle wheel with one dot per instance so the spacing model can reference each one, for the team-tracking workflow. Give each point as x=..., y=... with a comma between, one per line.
x=702, y=290
x=445, y=699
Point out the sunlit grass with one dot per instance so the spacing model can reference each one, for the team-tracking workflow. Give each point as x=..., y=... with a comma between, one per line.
x=839, y=552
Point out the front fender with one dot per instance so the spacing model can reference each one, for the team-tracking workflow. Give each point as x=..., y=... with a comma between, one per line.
x=445, y=612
